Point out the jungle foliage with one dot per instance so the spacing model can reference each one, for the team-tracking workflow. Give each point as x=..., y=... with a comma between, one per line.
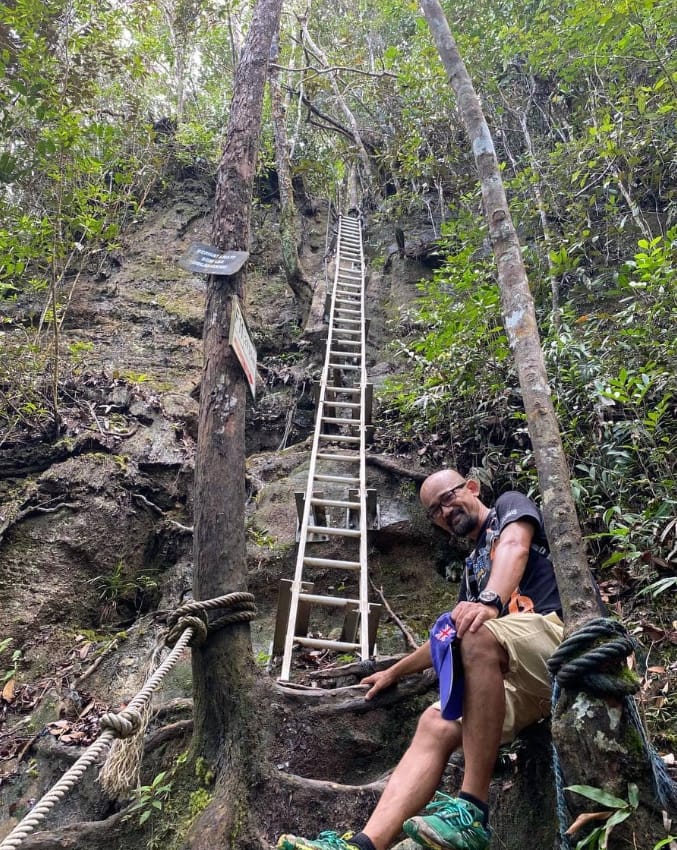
x=102, y=103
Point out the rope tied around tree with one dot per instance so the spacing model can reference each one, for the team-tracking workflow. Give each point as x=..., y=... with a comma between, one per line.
x=581, y=662
x=120, y=774
x=593, y=660
x=123, y=731
x=195, y=614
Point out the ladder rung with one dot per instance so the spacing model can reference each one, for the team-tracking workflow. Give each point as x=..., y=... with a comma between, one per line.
x=333, y=531
x=340, y=479
x=352, y=405
x=348, y=310
x=332, y=563
x=335, y=503
x=351, y=354
x=339, y=438
x=327, y=644
x=345, y=366
x=346, y=322
x=350, y=390
x=334, y=601
x=339, y=420
x=330, y=456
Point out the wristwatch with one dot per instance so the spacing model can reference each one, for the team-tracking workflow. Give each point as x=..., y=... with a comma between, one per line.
x=490, y=597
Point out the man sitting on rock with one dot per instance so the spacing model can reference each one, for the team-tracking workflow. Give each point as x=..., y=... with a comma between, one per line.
x=507, y=624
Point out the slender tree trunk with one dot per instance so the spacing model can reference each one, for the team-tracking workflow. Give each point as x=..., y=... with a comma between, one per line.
x=597, y=743
x=568, y=551
x=222, y=667
x=296, y=277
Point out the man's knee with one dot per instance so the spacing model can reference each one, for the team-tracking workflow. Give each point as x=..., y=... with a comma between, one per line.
x=482, y=647
x=432, y=726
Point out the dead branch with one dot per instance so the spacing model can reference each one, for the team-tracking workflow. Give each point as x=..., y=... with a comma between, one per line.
x=330, y=68
x=112, y=646
x=332, y=123
x=408, y=636
x=384, y=462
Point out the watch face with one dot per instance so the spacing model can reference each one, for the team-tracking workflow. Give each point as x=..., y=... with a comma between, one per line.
x=488, y=596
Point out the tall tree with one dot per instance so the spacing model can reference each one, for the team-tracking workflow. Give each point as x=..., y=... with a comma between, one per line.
x=589, y=738
x=296, y=277
x=223, y=666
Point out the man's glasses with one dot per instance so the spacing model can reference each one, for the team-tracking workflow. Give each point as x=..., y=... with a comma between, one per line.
x=447, y=498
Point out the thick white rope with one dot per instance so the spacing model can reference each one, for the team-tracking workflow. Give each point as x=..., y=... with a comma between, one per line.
x=123, y=723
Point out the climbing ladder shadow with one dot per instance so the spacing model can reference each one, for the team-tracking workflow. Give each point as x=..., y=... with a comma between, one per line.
x=336, y=503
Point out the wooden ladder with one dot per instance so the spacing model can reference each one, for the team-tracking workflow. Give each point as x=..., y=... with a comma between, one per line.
x=336, y=502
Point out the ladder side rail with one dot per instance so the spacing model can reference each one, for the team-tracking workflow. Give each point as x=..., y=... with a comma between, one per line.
x=364, y=573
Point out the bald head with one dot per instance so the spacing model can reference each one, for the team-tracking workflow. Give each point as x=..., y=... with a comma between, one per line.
x=453, y=503
x=436, y=483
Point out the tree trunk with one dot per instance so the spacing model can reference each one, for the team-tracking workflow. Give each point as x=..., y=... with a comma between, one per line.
x=568, y=552
x=293, y=268
x=223, y=667
x=586, y=729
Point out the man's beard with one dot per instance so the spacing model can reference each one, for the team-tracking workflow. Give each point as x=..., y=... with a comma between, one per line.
x=460, y=522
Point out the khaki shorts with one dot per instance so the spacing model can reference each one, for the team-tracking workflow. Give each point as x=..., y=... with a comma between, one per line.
x=529, y=640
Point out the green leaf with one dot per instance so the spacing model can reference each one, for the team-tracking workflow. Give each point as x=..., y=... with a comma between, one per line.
x=599, y=796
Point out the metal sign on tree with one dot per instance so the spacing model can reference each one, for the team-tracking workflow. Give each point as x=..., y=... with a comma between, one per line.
x=241, y=342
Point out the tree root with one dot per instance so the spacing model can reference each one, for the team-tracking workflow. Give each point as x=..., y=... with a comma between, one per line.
x=167, y=733
x=351, y=699
x=294, y=781
x=102, y=834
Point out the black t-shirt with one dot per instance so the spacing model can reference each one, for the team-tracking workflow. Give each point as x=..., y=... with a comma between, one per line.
x=537, y=591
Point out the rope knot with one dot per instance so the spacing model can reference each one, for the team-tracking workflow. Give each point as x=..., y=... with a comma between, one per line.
x=239, y=608
x=124, y=724
x=197, y=624
x=582, y=661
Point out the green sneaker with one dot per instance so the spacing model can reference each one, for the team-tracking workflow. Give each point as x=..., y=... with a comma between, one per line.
x=454, y=824
x=327, y=840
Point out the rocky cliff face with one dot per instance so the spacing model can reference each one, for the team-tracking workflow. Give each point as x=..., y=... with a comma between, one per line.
x=96, y=542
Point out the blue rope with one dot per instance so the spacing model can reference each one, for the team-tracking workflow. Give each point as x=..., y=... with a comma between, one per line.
x=574, y=664
x=664, y=787
x=561, y=806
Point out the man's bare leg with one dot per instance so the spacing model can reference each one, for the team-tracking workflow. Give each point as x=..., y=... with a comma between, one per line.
x=484, y=664
x=416, y=777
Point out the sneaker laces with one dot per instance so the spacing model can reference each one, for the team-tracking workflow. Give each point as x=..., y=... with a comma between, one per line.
x=334, y=840
x=452, y=808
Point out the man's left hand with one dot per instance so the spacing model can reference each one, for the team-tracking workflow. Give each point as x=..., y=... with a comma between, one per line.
x=469, y=616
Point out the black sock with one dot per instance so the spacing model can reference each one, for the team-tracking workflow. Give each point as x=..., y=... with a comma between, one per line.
x=363, y=841
x=481, y=805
